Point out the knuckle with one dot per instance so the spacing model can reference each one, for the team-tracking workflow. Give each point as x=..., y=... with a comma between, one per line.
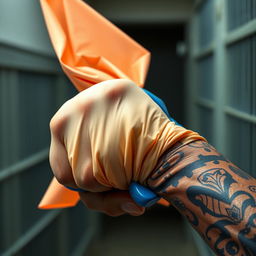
x=53, y=123
x=60, y=117
x=85, y=178
x=62, y=178
x=82, y=183
x=56, y=124
x=117, y=88
x=85, y=105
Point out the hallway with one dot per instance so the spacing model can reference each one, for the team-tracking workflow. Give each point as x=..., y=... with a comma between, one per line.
x=203, y=67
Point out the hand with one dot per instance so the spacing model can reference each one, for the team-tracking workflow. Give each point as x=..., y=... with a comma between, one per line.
x=106, y=137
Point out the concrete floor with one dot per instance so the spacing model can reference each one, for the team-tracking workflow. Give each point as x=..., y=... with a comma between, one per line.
x=158, y=232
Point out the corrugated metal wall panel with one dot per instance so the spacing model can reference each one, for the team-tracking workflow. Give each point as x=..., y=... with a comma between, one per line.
x=206, y=123
x=32, y=185
x=46, y=243
x=240, y=75
x=239, y=12
x=36, y=105
x=228, y=118
x=238, y=94
x=239, y=143
x=206, y=23
x=31, y=90
x=206, y=77
x=29, y=101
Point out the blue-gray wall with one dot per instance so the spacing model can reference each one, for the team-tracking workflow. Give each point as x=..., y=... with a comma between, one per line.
x=221, y=80
x=32, y=87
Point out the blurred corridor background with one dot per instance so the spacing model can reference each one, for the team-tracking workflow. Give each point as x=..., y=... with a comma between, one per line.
x=203, y=67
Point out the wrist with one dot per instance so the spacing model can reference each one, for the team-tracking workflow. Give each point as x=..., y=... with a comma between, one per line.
x=172, y=171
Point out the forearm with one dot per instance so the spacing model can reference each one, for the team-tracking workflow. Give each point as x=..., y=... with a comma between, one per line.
x=217, y=197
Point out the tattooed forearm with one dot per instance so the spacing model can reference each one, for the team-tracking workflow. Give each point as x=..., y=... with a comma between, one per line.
x=216, y=196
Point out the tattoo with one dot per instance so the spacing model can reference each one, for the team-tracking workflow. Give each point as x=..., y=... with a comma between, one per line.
x=192, y=218
x=216, y=196
x=239, y=172
x=187, y=170
x=252, y=188
x=204, y=145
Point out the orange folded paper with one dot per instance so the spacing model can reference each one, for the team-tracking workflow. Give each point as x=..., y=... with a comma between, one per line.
x=89, y=47
x=90, y=50
x=58, y=196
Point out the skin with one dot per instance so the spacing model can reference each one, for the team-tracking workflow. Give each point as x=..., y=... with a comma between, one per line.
x=216, y=196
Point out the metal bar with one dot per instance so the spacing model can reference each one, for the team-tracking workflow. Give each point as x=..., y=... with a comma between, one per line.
x=88, y=235
x=219, y=74
x=205, y=52
x=84, y=242
x=14, y=202
x=192, y=37
x=205, y=103
x=63, y=239
x=17, y=58
x=253, y=9
x=6, y=42
x=241, y=32
x=32, y=233
x=2, y=118
x=10, y=155
x=5, y=122
x=239, y=114
x=229, y=11
x=253, y=74
x=24, y=164
x=253, y=151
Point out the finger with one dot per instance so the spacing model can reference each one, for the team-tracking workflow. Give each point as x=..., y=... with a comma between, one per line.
x=60, y=164
x=113, y=203
x=85, y=179
x=82, y=176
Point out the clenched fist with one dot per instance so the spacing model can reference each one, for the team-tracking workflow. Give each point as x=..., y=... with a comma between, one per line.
x=107, y=136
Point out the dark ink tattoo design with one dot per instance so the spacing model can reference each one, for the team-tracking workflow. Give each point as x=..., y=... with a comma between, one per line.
x=212, y=193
